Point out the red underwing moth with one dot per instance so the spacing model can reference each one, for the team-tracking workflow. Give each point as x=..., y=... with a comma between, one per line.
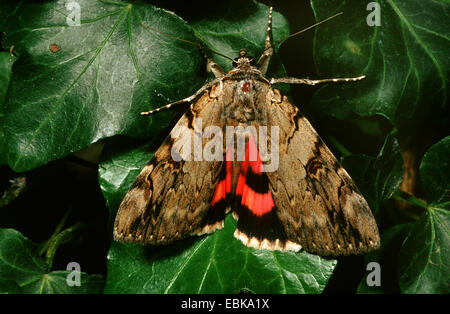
x=307, y=201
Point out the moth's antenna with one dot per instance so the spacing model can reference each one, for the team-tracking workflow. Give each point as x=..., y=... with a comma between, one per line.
x=214, y=51
x=201, y=47
x=308, y=28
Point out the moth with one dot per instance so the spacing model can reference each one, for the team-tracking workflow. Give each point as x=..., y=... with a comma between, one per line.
x=308, y=202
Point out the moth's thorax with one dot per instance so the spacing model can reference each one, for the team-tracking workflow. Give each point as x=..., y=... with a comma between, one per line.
x=245, y=71
x=245, y=97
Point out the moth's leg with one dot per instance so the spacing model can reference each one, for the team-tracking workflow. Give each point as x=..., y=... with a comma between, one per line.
x=293, y=80
x=185, y=100
x=263, y=62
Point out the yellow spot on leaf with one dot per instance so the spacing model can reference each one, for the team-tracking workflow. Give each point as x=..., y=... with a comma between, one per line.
x=353, y=47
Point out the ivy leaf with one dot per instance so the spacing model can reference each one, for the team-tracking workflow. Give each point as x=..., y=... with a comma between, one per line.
x=7, y=9
x=405, y=60
x=245, y=28
x=91, y=81
x=23, y=270
x=377, y=177
x=435, y=172
x=425, y=254
x=6, y=63
x=84, y=83
x=424, y=258
x=213, y=264
x=8, y=286
x=119, y=169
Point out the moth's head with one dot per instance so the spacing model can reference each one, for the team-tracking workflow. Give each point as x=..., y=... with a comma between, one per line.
x=244, y=60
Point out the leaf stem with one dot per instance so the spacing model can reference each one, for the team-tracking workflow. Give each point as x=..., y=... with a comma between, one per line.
x=61, y=238
x=55, y=233
x=405, y=197
x=339, y=146
x=409, y=199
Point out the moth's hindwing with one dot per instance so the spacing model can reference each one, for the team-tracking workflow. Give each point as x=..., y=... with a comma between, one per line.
x=172, y=199
x=316, y=201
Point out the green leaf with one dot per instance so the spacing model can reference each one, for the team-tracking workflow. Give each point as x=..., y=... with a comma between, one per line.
x=96, y=81
x=213, y=264
x=6, y=63
x=425, y=255
x=377, y=177
x=7, y=9
x=119, y=169
x=100, y=75
x=23, y=270
x=243, y=25
x=435, y=172
x=8, y=286
x=235, y=25
x=405, y=60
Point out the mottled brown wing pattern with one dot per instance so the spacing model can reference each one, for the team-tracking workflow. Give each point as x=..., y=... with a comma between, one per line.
x=171, y=199
x=317, y=202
